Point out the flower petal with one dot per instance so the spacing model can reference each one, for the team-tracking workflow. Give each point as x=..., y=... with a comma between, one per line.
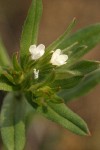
x=64, y=57
x=58, y=59
x=36, y=52
x=57, y=52
x=41, y=47
x=32, y=48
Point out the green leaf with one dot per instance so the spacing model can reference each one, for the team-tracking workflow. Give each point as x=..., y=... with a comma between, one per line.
x=89, y=82
x=63, y=37
x=87, y=38
x=67, y=83
x=79, y=43
x=30, y=28
x=5, y=85
x=75, y=54
x=62, y=115
x=80, y=68
x=85, y=66
x=12, y=122
x=29, y=112
x=63, y=73
x=4, y=58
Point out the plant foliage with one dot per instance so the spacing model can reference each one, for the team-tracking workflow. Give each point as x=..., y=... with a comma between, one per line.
x=38, y=86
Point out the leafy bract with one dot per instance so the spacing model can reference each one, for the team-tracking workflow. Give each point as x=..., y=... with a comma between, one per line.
x=62, y=115
x=89, y=82
x=30, y=28
x=12, y=122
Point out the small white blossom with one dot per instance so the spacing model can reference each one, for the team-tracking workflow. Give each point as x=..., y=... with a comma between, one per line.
x=37, y=51
x=36, y=74
x=58, y=59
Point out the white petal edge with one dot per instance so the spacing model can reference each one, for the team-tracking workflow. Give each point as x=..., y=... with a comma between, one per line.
x=41, y=47
x=57, y=52
x=64, y=57
x=31, y=48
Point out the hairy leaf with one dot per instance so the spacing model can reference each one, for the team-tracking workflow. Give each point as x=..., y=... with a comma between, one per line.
x=12, y=122
x=79, y=43
x=88, y=36
x=82, y=67
x=30, y=28
x=62, y=115
x=85, y=86
x=85, y=66
x=62, y=38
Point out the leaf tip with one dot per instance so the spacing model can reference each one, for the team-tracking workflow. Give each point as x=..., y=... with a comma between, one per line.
x=74, y=19
x=88, y=133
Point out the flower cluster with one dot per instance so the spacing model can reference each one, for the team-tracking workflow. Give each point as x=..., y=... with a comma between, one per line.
x=57, y=58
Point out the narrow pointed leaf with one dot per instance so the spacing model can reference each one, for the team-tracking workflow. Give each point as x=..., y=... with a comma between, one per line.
x=89, y=36
x=84, y=87
x=62, y=115
x=79, y=43
x=4, y=57
x=30, y=28
x=82, y=67
x=85, y=66
x=68, y=114
x=12, y=122
x=63, y=37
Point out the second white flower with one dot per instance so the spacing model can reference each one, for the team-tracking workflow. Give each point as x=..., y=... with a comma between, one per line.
x=58, y=58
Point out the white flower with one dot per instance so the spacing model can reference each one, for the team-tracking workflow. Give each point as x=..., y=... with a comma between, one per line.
x=58, y=59
x=36, y=51
x=36, y=74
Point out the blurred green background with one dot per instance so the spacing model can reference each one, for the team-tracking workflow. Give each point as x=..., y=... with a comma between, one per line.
x=57, y=14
